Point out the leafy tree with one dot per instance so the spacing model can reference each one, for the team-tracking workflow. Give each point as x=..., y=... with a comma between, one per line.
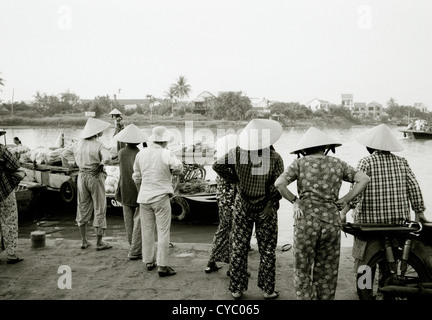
x=291, y=110
x=163, y=108
x=171, y=95
x=391, y=103
x=251, y=114
x=47, y=104
x=40, y=101
x=17, y=106
x=232, y=106
x=69, y=101
x=101, y=105
x=340, y=111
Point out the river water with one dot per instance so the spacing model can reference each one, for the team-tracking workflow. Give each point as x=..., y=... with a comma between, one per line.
x=417, y=152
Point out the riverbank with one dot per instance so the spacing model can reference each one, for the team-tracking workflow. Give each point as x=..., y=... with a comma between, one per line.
x=79, y=120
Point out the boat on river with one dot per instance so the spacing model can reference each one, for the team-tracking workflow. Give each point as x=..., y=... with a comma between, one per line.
x=419, y=129
x=190, y=188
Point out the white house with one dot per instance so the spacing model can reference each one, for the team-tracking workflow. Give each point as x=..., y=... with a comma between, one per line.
x=318, y=104
x=260, y=105
x=347, y=100
x=201, y=102
x=420, y=106
x=130, y=107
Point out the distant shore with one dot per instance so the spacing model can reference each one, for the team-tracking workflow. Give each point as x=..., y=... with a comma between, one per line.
x=78, y=120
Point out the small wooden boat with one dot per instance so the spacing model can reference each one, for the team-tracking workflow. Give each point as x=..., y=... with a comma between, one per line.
x=419, y=129
x=417, y=134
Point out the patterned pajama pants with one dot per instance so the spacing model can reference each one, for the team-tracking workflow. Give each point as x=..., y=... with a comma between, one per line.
x=92, y=200
x=316, y=259
x=221, y=240
x=266, y=234
x=9, y=224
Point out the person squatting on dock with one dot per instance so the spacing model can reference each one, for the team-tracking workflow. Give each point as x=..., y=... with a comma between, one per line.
x=91, y=156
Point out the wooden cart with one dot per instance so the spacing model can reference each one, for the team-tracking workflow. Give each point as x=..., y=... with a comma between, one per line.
x=56, y=178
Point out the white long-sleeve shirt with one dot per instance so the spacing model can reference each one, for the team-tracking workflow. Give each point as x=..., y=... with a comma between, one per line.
x=153, y=168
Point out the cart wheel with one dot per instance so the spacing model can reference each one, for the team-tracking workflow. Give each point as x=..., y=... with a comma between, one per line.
x=68, y=191
x=179, y=208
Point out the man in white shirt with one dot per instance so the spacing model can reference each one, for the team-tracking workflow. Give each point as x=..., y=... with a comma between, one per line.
x=153, y=170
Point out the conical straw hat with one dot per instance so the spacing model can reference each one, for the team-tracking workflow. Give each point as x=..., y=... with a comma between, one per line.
x=259, y=134
x=225, y=144
x=380, y=138
x=115, y=111
x=93, y=127
x=314, y=137
x=130, y=134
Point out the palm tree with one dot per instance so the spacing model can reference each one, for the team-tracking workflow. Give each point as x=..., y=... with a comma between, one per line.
x=1, y=82
x=171, y=94
x=182, y=88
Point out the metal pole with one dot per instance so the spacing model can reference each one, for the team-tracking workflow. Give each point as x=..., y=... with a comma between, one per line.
x=13, y=91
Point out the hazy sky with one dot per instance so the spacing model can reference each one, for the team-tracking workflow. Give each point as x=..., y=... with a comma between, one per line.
x=278, y=49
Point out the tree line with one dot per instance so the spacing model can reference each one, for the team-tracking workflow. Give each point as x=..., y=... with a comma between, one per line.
x=227, y=105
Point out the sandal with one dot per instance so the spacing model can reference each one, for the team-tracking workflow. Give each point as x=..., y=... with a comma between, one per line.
x=286, y=247
x=271, y=296
x=236, y=295
x=137, y=257
x=105, y=246
x=168, y=272
x=212, y=267
x=14, y=260
x=150, y=266
x=85, y=246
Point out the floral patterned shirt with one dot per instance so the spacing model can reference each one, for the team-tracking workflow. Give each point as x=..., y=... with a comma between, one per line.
x=8, y=162
x=319, y=179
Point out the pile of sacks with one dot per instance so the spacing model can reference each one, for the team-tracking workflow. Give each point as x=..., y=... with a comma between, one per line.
x=112, y=179
x=19, y=150
x=43, y=155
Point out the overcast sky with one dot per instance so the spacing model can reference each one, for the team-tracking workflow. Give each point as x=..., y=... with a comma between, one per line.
x=278, y=49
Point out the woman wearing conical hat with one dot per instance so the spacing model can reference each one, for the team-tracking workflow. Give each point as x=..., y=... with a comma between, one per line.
x=316, y=212
x=253, y=166
x=387, y=200
x=91, y=156
x=127, y=192
x=118, y=126
x=225, y=195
